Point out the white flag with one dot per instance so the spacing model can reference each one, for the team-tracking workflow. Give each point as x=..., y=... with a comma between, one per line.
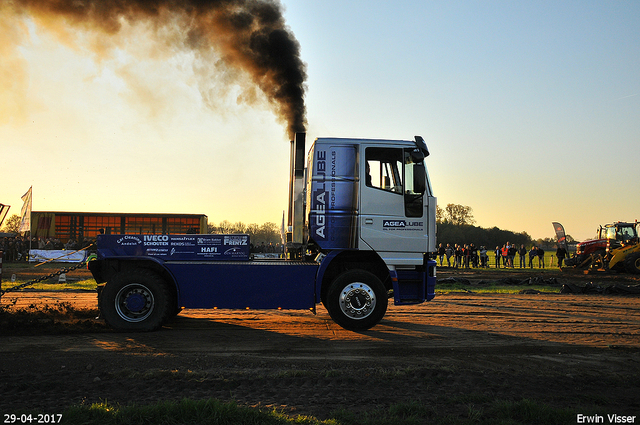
x=25, y=223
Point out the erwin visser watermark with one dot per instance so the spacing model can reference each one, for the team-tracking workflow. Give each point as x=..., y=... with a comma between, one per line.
x=605, y=419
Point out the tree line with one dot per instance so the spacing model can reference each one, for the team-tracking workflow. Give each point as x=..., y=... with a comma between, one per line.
x=269, y=233
x=456, y=226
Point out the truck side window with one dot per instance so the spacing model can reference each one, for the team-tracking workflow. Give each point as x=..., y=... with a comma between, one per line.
x=394, y=170
x=384, y=169
x=413, y=197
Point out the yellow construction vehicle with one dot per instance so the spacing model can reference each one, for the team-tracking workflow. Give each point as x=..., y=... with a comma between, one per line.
x=615, y=247
x=624, y=254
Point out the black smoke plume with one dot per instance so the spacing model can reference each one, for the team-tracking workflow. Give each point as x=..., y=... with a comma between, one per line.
x=250, y=35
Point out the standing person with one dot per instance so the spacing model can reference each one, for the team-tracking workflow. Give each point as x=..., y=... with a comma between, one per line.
x=532, y=254
x=449, y=253
x=441, y=252
x=466, y=253
x=540, y=258
x=484, y=263
x=458, y=256
x=561, y=253
x=473, y=255
x=512, y=251
x=522, y=252
x=498, y=255
x=505, y=252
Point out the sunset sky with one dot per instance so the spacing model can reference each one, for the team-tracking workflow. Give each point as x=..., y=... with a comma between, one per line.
x=531, y=111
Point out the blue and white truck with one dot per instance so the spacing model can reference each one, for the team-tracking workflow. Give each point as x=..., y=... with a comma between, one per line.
x=361, y=230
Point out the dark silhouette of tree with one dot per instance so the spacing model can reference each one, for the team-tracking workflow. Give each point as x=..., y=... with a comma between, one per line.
x=258, y=233
x=12, y=224
x=455, y=214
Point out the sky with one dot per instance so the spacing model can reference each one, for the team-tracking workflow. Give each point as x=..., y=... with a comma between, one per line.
x=531, y=111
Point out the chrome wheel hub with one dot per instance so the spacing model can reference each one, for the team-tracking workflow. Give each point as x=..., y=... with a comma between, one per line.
x=357, y=300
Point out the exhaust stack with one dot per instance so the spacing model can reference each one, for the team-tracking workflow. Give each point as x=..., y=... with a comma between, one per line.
x=295, y=233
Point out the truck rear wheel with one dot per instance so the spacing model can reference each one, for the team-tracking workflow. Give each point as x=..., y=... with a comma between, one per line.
x=135, y=300
x=632, y=263
x=356, y=300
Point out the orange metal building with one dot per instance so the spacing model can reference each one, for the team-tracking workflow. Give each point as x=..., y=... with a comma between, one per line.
x=85, y=225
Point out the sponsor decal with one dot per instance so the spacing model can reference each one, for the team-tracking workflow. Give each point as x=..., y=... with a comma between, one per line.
x=320, y=217
x=156, y=240
x=129, y=240
x=331, y=196
x=209, y=241
x=235, y=240
x=157, y=251
x=320, y=196
x=402, y=225
x=324, y=197
x=184, y=247
x=183, y=241
x=394, y=223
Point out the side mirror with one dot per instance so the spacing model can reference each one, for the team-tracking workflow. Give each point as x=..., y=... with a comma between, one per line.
x=422, y=146
x=419, y=179
x=417, y=155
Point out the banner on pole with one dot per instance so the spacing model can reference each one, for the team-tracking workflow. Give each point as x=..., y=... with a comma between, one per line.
x=25, y=222
x=560, y=234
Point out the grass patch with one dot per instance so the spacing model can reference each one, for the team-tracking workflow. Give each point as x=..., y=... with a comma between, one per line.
x=79, y=279
x=495, y=289
x=501, y=281
x=53, y=285
x=185, y=411
x=212, y=411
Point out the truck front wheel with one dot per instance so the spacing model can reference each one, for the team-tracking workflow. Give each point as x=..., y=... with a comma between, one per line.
x=135, y=300
x=356, y=300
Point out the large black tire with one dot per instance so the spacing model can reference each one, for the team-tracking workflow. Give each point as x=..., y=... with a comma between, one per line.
x=135, y=300
x=632, y=263
x=356, y=300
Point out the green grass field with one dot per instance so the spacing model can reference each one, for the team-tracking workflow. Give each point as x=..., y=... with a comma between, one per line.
x=186, y=411
x=14, y=274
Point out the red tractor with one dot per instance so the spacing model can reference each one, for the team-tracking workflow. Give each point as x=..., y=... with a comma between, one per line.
x=616, y=246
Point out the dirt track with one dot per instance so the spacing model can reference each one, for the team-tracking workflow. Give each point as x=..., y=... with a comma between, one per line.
x=564, y=350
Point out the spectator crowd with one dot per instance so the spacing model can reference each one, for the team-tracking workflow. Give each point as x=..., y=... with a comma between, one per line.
x=270, y=248
x=505, y=256
x=16, y=248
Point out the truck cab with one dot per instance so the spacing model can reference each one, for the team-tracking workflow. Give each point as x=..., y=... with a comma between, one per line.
x=370, y=206
x=361, y=230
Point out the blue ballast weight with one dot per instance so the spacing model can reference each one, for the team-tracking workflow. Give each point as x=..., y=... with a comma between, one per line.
x=176, y=247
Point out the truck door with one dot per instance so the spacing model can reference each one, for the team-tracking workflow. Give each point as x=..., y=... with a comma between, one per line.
x=393, y=217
